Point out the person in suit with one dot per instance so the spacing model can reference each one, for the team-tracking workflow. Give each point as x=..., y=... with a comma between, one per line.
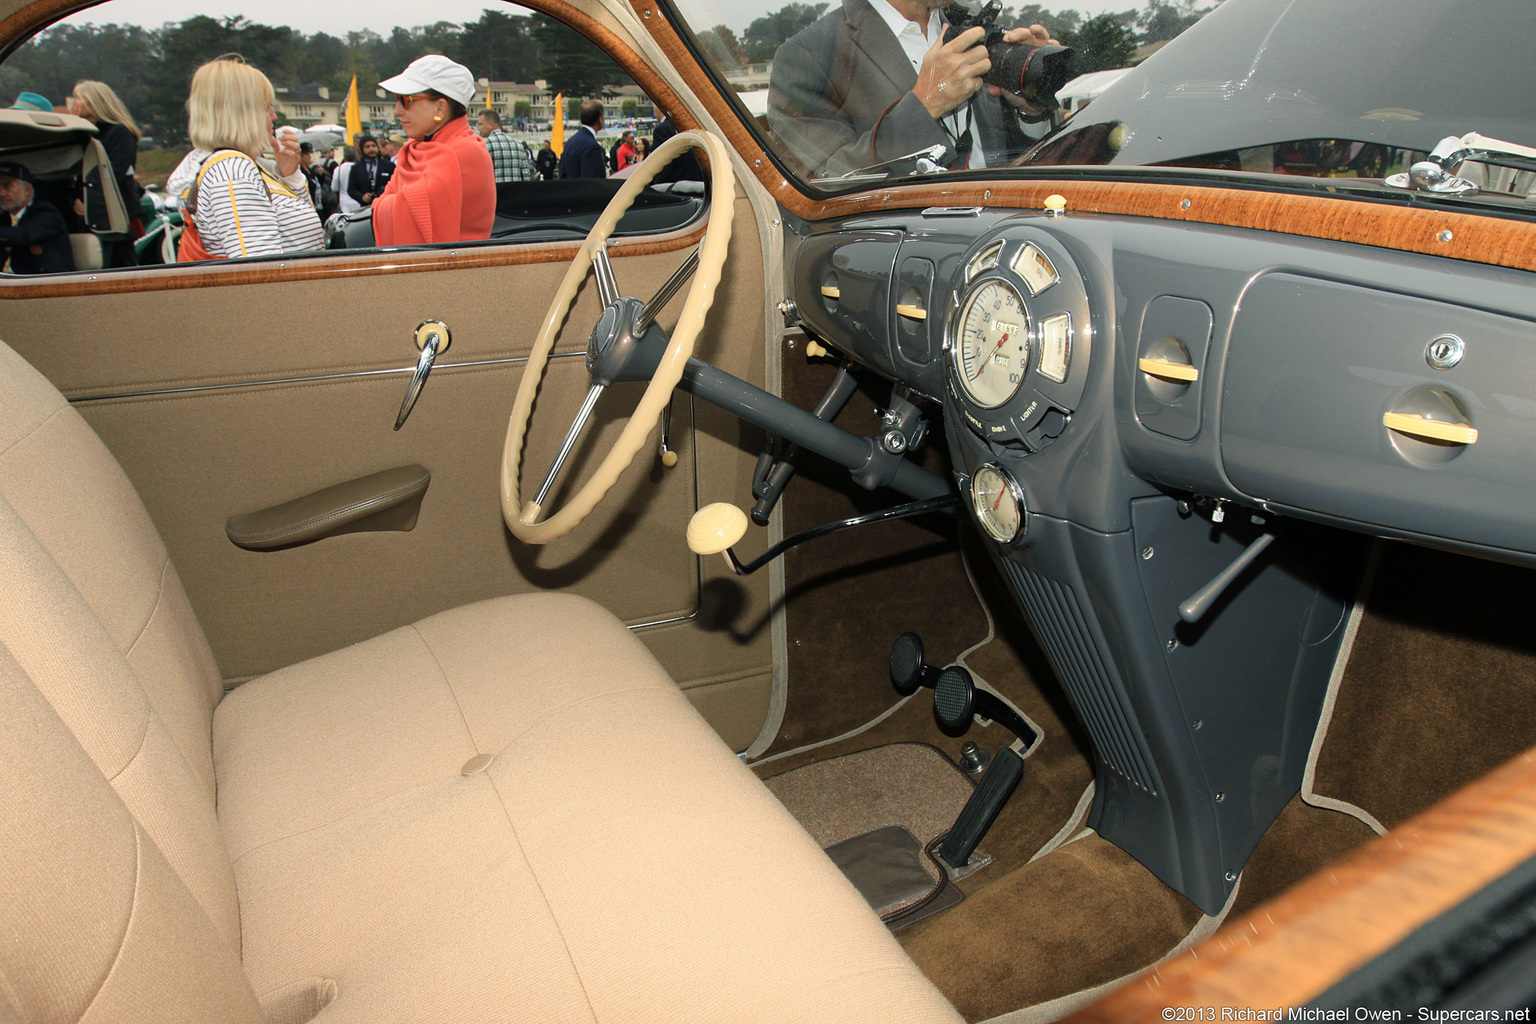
x=370, y=174
x=33, y=229
x=547, y=163
x=685, y=168
x=584, y=156
x=874, y=80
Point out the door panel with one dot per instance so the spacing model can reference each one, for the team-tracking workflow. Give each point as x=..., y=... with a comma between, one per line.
x=209, y=440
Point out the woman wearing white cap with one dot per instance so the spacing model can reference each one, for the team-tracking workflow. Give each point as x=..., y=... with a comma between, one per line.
x=443, y=189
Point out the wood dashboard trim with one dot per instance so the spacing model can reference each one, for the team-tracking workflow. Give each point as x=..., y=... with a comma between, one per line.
x=1301, y=943
x=1478, y=239
x=310, y=267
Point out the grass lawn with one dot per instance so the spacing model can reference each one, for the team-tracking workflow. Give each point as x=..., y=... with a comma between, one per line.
x=153, y=166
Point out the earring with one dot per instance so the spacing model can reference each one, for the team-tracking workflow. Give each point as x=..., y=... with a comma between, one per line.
x=438, y=117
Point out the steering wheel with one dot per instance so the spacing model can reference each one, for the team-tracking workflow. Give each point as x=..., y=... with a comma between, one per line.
x=626, y=345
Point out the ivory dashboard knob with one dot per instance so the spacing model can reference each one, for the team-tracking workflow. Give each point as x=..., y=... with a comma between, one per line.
x=815, y=350
x=716, y=527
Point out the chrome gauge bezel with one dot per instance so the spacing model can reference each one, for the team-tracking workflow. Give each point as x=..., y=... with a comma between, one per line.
x=1022, y=422
x=952, y=329
x=1012, y=490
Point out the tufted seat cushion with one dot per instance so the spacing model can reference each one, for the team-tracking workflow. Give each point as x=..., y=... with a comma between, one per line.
x=504, y=812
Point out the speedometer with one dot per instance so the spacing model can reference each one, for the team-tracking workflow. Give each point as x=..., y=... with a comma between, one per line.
x=991, y=343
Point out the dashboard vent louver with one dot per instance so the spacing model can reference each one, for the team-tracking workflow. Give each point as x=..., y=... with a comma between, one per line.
x=1063, y=631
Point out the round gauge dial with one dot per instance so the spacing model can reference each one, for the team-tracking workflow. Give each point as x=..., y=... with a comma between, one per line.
x=998, y=502
x=991, y=346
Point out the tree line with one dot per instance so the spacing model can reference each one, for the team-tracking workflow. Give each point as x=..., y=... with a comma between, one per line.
x=151, y=68
x=1102, y=42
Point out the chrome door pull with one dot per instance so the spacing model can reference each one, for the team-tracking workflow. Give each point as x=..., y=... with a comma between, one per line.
x=433, y=338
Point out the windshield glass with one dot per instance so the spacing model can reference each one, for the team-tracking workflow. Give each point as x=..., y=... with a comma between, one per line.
x=855, y=91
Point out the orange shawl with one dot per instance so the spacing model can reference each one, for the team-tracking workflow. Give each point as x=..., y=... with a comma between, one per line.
x=443, y=190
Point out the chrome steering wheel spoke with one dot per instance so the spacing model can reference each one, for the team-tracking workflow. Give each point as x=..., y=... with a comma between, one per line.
x=582, y=415
x=664, y=294
x=607, y=284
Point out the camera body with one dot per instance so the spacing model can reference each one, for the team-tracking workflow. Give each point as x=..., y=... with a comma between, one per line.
x=1033, y=72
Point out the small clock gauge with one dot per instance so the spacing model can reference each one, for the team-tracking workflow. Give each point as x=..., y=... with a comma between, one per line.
x=998, y=502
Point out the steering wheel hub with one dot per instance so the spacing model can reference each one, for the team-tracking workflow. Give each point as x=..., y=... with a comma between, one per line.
x=615, y=353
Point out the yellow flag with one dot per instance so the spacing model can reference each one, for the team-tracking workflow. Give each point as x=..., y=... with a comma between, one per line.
x=354, y=117
x=557, y=136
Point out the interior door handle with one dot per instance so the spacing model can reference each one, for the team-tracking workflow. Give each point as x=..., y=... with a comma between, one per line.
x=433, y=338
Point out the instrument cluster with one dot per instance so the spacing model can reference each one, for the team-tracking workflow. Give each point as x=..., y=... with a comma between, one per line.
x=1017, y=338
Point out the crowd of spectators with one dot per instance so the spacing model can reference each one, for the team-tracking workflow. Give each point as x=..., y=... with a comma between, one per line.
x=250, y=188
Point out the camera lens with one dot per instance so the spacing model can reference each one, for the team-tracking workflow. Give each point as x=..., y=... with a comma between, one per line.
x=1033, y=72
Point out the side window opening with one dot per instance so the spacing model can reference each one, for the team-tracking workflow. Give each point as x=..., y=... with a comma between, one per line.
x=525, y=70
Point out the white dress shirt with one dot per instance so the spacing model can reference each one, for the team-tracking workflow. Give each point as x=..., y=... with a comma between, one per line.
x=915, y=43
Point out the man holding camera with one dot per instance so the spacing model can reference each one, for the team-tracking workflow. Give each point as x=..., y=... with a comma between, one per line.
x=875, y=80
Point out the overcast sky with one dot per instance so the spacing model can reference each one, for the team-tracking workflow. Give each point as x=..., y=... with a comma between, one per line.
x=383, y=15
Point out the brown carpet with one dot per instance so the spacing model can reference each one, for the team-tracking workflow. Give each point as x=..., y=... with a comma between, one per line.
x=1441, y=686
x=910, y=784
x=1302, y=840
x=1081, y=916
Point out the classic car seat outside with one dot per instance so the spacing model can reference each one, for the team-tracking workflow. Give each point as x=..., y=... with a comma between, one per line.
x=507, y=811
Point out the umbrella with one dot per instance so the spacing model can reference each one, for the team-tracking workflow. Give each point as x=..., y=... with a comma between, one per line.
x=320, y=139
x=338, y=128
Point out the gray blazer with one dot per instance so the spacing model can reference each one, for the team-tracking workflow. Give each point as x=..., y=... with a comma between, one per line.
x=840, y=97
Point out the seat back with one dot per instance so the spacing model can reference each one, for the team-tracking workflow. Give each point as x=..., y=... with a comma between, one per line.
x=87, y=251
x=96, y=620
x=69, y=492
x=98, y=925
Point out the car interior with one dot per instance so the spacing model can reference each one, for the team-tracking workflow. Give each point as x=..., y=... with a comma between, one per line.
x=705, y=614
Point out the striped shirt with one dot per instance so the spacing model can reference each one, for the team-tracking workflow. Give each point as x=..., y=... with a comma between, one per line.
x=509, y=159
x=241, y=212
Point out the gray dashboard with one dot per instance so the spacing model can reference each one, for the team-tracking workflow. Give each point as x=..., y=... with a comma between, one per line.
x=1301, y=348
x=1223, y=401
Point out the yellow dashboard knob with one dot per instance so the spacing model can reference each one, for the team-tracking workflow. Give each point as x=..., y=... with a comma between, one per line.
x=716, y=527
x=815, y=350
x=1055, y=205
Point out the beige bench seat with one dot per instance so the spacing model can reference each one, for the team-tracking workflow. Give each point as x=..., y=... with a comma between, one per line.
x=504, y=812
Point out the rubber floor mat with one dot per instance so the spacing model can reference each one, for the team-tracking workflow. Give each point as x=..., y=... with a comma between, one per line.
x=910, y=785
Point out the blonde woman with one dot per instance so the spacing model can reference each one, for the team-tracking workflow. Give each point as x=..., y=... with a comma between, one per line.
x=119, y=135
x=239, y=207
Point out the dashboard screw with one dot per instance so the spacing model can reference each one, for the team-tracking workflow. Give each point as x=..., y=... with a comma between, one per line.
x=1173, y=645
x=1231, y=876
x=1445, y=236
x=894, y=441
x=1221, y=797
x=1146, y=554
x=1197, y=723
x=790, y=343
x=1184, y=204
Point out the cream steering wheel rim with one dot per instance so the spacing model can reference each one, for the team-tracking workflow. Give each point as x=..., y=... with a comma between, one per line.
x=523, y=518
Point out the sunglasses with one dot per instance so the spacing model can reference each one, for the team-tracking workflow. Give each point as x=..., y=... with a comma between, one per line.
x=411, y=97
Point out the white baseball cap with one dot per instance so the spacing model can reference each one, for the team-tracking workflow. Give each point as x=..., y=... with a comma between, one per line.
x=435, y=72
